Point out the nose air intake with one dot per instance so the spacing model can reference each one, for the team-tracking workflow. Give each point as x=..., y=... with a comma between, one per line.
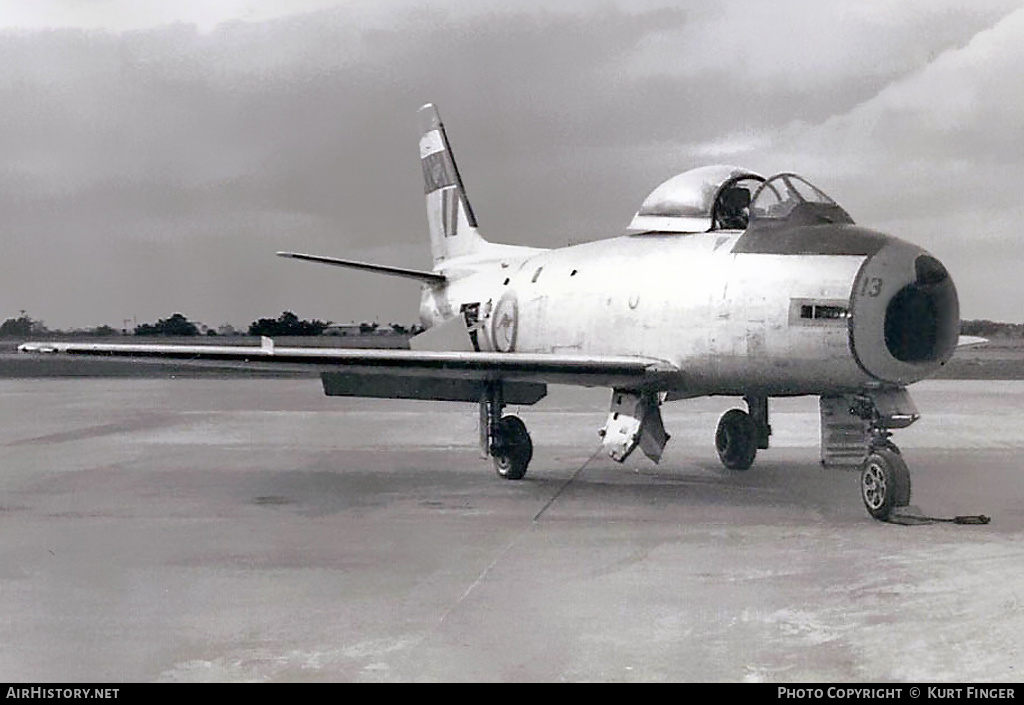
x=905, y=314
x=918, y=324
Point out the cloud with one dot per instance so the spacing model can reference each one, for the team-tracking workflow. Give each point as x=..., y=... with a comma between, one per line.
x=809, y=46
x=934, y=157
x=130, y=15
x=163, y=166
x=951, y=124
x=126, y=15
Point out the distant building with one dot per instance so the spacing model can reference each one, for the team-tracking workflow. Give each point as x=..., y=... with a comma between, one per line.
x=342, y=329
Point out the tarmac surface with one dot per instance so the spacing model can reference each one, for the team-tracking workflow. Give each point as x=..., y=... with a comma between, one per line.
x=255, y=530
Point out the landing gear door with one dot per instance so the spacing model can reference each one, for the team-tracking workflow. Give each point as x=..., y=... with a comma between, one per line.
x=634, y=420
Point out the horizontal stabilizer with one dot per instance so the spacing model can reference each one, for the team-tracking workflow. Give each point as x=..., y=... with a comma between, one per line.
x=965, y=340
x=427, y=277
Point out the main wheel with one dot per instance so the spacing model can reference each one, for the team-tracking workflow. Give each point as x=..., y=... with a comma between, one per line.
x=884, y=483
x=511, y=448
x=736, y=439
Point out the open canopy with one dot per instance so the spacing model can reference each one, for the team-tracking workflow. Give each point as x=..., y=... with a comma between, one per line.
x=699, y=200
x=722, y=197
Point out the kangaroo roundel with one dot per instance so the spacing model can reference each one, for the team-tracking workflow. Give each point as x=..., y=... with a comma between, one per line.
x=505, y=323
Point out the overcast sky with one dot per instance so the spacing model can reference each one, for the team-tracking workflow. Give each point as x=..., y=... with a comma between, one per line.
x=154, y=155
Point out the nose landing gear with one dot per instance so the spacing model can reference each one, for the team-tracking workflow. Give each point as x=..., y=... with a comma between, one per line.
x=884, y=477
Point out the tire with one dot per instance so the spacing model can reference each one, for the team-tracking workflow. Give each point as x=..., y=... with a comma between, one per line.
x=512, y=448
x=736, y=439
x=884, y=483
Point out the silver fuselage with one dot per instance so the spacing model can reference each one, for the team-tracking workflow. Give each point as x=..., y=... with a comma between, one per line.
x=734, y=314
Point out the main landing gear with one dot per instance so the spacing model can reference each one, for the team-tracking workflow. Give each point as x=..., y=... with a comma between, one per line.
x=861, y=433
x=511, y=448
x=503, y=438
x=741, y=433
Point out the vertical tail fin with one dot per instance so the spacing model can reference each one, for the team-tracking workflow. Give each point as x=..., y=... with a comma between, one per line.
x=452, y=224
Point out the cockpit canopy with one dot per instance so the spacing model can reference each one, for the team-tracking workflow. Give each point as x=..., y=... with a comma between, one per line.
x=722, y=197
x=689, y=202
x=791, y=198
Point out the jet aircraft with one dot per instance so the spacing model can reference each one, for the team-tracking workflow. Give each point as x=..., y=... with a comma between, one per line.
x=726, y=283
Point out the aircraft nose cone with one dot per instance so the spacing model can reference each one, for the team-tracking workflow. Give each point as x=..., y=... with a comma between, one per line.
x=905, y=314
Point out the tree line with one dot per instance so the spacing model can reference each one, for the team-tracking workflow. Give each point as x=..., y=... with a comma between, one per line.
x=289, y=324
x=988, y=329
x=177, y=324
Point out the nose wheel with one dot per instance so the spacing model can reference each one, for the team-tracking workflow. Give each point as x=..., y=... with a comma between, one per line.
x=884, y=482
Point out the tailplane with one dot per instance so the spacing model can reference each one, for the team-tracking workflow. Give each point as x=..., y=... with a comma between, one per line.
x=453, y=233
x=452, y=223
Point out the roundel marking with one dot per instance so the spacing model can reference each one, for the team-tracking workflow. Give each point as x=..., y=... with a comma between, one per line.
x=505, y=323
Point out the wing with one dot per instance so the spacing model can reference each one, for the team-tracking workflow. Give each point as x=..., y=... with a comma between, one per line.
x=406, y=374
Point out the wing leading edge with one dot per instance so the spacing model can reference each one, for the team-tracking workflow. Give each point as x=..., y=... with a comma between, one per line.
x=404, y=374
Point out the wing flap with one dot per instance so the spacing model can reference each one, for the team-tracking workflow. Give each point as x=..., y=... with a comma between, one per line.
x=385, y=386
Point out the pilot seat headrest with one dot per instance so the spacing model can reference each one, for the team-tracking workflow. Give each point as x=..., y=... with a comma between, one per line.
x=736, y=198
